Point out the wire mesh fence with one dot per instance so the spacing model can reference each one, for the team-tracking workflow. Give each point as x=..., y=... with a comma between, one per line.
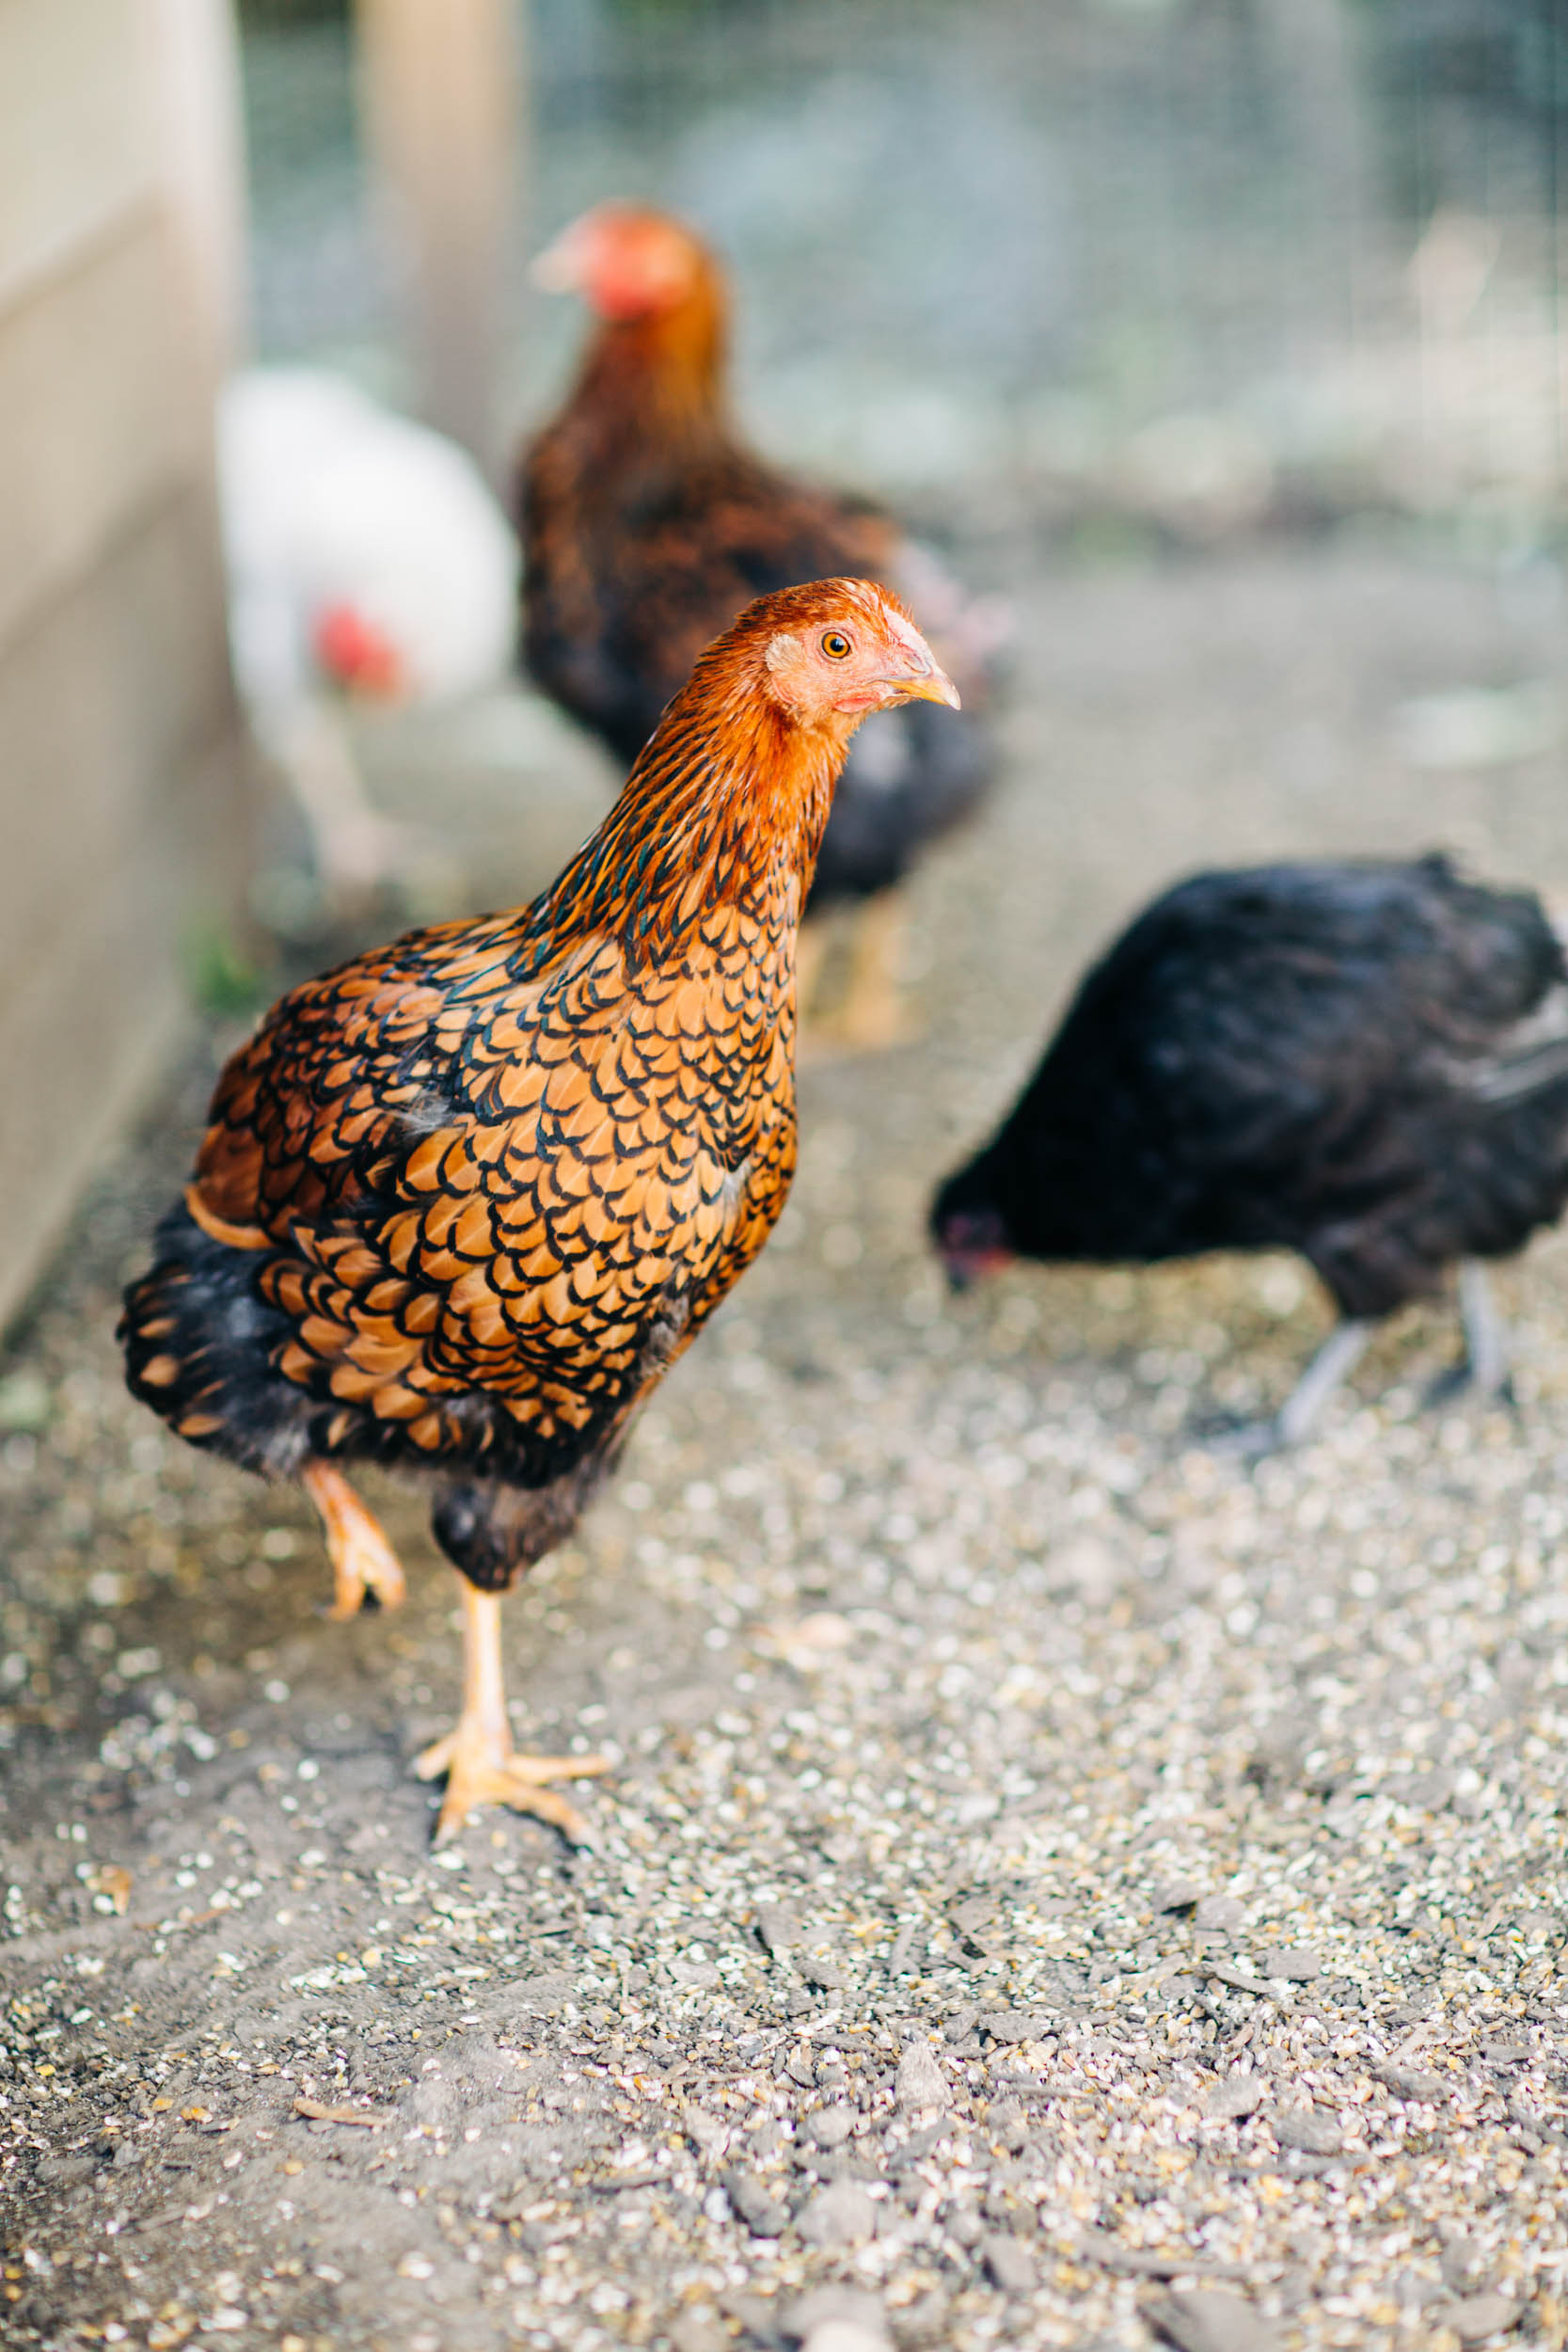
x=1194, y=261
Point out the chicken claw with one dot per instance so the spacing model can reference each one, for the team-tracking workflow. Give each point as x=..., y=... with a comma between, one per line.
x=362, y=1559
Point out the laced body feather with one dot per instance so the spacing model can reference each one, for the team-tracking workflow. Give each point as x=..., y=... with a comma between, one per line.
x=463, y=1200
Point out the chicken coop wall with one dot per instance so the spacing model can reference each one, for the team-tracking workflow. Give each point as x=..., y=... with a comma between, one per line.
x=125, y=788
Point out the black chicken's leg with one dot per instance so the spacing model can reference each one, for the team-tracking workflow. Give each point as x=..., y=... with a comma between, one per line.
x=1333, y=1364
x=1483, y=1367
x=1298, y=1416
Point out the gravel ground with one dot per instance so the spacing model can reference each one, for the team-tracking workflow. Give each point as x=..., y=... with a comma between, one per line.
x=1058, y=1884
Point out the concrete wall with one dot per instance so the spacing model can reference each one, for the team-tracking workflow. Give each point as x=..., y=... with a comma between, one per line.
x=123, y=790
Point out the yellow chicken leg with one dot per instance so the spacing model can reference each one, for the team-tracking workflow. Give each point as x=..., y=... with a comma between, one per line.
x=481, y=1764
x=811, y=956
x=362, y=1559
x=871, y=1015
x=874, y=1014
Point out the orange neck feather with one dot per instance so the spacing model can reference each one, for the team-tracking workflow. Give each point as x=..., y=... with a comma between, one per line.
x=727, y=802
x=662, y=373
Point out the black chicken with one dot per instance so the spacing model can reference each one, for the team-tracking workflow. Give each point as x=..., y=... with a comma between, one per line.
x=1363, y=1062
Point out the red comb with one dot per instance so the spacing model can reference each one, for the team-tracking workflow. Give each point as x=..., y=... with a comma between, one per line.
x=358, y=654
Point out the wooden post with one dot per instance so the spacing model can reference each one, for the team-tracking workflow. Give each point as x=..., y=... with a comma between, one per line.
x=1324, y=102
x=440, y=84
x=199, y=128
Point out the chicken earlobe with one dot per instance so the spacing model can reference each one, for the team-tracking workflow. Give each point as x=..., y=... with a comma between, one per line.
x=481, y=1764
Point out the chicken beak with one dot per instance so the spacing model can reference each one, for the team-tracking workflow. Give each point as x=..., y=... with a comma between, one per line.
x=933, y=686
x=560, y=268
x=922, y=680
x=929, y=684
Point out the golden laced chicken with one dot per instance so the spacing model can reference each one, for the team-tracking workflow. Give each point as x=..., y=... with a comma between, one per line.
x=647, y=524
x=465, y=1200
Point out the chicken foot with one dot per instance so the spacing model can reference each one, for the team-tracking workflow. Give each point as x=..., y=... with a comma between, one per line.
x=1482, y=1370
x=1327, y=1372
x=811, y=958
x=871, y=1015
x=362, y=1559
x=1296, y=1418
x=478, y=1758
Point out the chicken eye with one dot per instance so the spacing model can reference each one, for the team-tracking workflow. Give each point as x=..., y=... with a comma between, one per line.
x=835, y=644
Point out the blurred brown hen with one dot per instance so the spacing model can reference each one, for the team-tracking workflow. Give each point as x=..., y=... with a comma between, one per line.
x=647, y=525
x=464, y=1200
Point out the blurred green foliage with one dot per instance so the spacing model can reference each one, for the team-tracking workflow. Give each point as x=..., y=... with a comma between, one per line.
x=259, y=14
x=222, y=974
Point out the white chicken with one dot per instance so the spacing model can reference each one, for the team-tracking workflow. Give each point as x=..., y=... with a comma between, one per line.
x=366, y=559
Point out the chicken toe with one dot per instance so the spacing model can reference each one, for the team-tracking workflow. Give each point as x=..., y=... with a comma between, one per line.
x=481, y=1770
x=362, y=1559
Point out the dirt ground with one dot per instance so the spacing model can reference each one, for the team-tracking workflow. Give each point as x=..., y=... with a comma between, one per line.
x=1057, y=1884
